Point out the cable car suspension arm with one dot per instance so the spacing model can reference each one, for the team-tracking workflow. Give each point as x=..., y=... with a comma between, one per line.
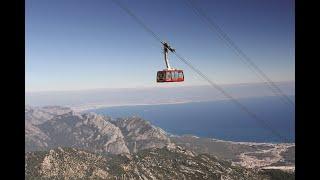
x=166, y=49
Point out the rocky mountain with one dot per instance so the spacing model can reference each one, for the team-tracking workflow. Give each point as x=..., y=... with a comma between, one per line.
x=86, y=131
x=35, y=139
x=140, y=134
x=51, y=127
x=38, y=115
x=169, y=162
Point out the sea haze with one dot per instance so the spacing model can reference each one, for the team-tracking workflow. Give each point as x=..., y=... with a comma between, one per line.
x=91, y=99
x=220, y=119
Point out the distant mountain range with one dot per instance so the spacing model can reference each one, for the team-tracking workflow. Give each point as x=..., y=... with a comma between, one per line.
x=64, y=143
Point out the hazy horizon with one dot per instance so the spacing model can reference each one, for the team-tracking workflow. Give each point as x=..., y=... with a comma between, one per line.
x=151, y=95
x=162, y=85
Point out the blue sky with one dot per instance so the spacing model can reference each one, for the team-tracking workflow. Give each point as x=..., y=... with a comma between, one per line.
x=88, y=44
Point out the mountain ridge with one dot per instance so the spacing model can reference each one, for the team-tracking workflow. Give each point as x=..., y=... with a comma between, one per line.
x=54, y=126
x=169, y=162
x=90, y=131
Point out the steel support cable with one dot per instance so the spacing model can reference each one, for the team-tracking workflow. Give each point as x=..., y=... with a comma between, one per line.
x=122, y=6
x=243, y=56
x=221, y=36
x=214, y=85
x=235, y=101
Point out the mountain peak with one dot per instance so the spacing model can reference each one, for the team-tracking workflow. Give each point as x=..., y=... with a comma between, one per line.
x=55, y=126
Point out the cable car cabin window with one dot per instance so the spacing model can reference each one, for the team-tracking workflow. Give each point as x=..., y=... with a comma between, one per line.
x=161, y=76
x=180, y=75
x=176, y=75
x=173, y=76
x=168, y=76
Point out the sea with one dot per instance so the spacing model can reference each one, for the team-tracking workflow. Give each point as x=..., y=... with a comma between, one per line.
x=220, y=119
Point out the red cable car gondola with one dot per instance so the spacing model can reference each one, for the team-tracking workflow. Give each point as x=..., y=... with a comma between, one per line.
x=169, y=74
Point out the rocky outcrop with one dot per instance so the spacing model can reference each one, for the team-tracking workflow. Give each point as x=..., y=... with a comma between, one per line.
x=87, y=131
x=140, y=134
x=67, y=163
x=155, y=163
x=35, y=139
x=55, y=126
x=39, y=115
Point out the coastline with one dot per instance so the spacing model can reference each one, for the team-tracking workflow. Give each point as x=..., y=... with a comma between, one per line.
x=95, y=106
x=83, y=108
